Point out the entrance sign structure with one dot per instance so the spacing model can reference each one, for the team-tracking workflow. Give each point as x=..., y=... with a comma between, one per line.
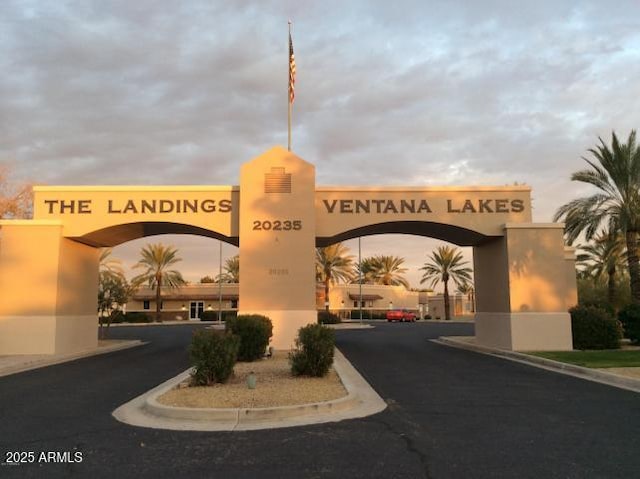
x=524, y=275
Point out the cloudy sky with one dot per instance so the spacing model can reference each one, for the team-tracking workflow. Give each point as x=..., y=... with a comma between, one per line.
x=388, y=93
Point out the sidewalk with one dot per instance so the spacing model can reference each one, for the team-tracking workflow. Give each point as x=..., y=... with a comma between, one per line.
x=18, y=363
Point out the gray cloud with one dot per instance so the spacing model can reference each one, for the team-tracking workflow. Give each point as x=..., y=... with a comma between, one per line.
x=405, y=92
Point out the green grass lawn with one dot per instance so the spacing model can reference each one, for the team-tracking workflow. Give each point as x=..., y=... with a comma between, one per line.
x=611, y=358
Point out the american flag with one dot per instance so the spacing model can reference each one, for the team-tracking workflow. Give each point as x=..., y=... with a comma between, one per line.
x=292, y=71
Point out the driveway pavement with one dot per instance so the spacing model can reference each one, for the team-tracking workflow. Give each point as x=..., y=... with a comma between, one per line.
x=452, y=413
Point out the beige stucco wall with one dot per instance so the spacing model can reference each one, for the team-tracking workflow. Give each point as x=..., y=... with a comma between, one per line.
x=524, y=278
x=396, y=297
x=48, y=290
x=86, y=211
x=338, y=210
x=537, y=284
x=278, y=265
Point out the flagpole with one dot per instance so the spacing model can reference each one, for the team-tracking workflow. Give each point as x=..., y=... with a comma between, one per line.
x=289, y=91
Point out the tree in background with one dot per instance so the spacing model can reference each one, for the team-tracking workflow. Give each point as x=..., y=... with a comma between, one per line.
x=113, y=290
x=231, y=272
x=446, y=263
x=207, y=279
x=157, y=259
x=615, y=172
x=368, y=266
x=15, y=201
x=603, y=259
x=333, y=264
x=388, y=270
x=468, y=290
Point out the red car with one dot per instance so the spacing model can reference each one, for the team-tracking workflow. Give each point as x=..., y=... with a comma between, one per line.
x=401, y=315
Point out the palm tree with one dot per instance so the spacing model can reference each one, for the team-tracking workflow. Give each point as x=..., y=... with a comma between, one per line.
x=603, y=258
x=231, y=271
x=333, y=264
x=109, y=265
x=156, y=259
x=367, y=265
x=113, y=289
x=616, y=173
x=468, y=290
x=388, y=270
x=446, y=263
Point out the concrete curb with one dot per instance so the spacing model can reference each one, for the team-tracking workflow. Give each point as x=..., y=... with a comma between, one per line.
x=589, y=374
x=146, y=411
x=164, y=323
x=54, y=359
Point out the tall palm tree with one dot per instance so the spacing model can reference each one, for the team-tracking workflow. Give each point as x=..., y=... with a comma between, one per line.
x=108, y=265
x=231, y=271
x=603, y=258
x=446, y=264
x=388, y=270
x=156, y=259
x=367, y=265
x=468, y=290
x=333, y=264
x=615, y=172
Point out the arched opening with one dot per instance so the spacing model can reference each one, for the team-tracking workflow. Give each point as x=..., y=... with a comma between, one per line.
x=394, y=239
x=118, y=234
x=450, y=233
x=201, y=261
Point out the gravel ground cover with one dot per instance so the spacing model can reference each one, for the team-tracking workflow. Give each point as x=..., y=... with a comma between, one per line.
x=275, y=387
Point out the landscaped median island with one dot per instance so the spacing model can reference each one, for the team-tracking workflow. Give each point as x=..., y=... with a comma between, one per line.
x=275, y=386
x=313, y=383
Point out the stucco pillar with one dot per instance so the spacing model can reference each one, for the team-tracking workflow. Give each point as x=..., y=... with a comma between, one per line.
x=48, y=290
x=524, y=289
x=277, y=243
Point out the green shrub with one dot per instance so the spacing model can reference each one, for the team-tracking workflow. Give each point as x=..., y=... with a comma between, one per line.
x=369, y=314
x=313, y=354
x=136, y=317
x=213, y=315
x=629, y=316
x=213, y=355
x=254, y=331
x=116, y=317
x=328, y=318
x=604, y=305
x=593, y=328
x=209, y=316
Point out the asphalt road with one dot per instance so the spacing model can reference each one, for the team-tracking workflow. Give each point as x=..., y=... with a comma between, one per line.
x=451, y=414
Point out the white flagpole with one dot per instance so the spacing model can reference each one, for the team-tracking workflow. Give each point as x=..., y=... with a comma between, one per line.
x=289, y=89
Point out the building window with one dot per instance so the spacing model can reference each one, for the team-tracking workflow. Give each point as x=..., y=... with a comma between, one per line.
x=355, y=304
x=145, y=304
x=161, y=304
x=234, y=304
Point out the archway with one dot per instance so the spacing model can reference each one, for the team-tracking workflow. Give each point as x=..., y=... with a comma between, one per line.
x=525, y=277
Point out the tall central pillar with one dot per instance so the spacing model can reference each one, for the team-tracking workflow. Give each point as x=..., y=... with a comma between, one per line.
x=277, y=242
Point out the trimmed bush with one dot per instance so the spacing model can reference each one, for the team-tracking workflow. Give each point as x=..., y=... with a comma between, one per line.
x=604, y=305
x=593, y=328
x=313, y=354
x=213, y=356
x=254, y=331
x=213, y=315
x=134, y=317
x=629, y=316
x=369, y=314
x=328, y=318
x=209, y=316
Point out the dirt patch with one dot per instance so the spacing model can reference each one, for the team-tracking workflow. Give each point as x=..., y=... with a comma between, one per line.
x=275, y=387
